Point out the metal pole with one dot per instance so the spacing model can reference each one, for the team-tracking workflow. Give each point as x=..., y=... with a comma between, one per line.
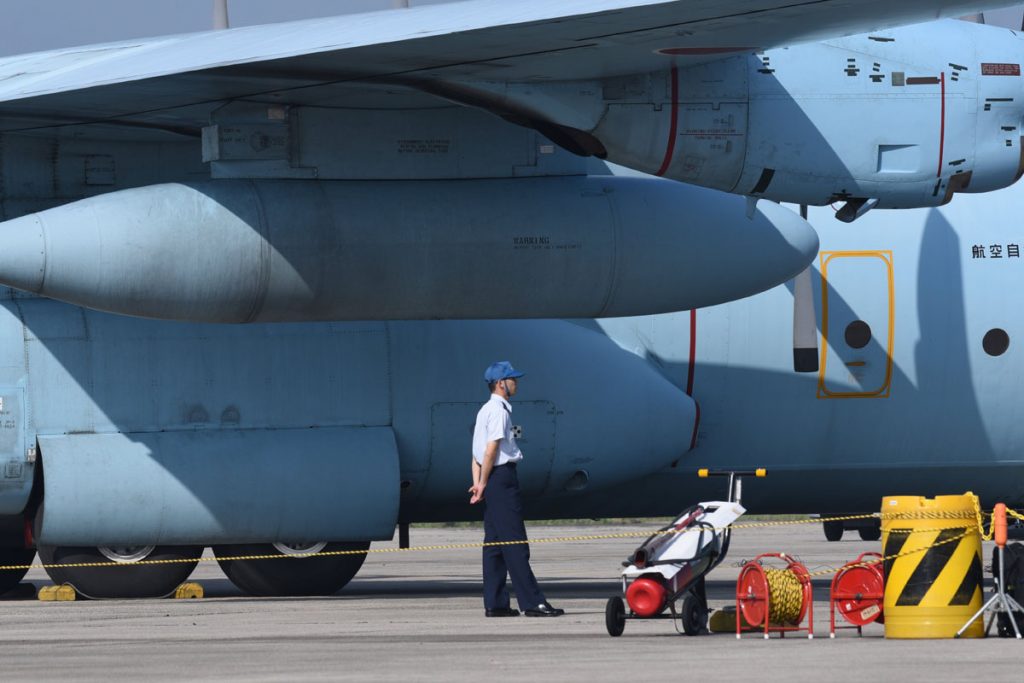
x=1000, y=601
x=220, y=14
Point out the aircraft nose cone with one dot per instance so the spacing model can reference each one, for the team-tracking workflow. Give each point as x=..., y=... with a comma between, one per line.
x=22, y=253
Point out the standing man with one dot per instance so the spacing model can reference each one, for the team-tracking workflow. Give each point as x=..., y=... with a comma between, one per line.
x=495, y=458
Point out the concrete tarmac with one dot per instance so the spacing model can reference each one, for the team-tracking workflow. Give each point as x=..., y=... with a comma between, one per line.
x=419, y=616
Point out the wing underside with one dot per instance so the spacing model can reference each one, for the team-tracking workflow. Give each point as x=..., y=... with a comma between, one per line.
x=370, y=60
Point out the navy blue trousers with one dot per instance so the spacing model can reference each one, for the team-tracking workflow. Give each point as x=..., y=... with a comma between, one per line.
x=503, y=521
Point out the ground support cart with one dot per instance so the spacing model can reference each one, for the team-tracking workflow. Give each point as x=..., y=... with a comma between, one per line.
x=671, y=566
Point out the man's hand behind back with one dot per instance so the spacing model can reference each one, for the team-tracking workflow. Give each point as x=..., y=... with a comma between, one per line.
x=478, y=493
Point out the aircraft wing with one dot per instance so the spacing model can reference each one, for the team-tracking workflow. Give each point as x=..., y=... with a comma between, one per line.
x=174, y=82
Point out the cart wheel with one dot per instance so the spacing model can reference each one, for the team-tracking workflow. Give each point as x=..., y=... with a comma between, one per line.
x=615, y=617
x=694, y=615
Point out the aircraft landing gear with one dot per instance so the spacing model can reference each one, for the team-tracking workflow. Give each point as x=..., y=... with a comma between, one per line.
x=872, y=532
x=143, y=581
x=13, y=551
x=298, y=576
x=867, y=529
x=833, y=530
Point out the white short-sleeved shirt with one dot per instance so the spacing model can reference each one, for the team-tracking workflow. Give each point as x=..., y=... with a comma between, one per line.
x=494, y=423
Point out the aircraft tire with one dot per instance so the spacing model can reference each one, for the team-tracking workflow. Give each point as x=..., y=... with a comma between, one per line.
x=870, y=533
x=294, y=576
x=9, y=579
x=124, y=580
x=833, y=530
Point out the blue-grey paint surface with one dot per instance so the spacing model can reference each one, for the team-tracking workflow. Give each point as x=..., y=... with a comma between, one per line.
x=947, y=421
x=235, y=485
x=284, y=251
x=215, y=430
x=607, y=397
x=45, y=24
x=36, y=25
x=866, y=120
x=184, y=433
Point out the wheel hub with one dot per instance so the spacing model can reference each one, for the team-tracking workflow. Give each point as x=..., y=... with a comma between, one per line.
x=126, y=554
x=299, y=547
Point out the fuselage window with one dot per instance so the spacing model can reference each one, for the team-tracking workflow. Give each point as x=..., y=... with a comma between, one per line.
x=858, y=334
x=996, y=342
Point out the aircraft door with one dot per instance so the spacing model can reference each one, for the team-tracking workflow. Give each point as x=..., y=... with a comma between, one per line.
x=857, y=319
x=451, y=445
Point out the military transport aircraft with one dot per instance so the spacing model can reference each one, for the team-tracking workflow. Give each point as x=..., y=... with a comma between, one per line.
x=438, y=163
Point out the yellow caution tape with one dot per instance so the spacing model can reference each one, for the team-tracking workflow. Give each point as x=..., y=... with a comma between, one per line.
x=968, y=530
x=981, y=522
x=978, y=527
x=448, y=546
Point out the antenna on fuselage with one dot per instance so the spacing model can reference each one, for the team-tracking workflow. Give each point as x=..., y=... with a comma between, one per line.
x=977, y=17
x=220, y=14
x=399, y=4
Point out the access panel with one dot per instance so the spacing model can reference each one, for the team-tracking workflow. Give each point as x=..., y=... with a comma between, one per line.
x=857, y=324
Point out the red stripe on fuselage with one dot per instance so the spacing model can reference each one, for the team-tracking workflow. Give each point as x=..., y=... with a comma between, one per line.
x=693, y=352
x=942, y=121
x=696, y=425
x=673, y=124
x=689, y=377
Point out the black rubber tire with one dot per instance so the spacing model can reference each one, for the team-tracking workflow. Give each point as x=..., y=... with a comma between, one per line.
x=694, y=615
x=122, y=581
x=615, y=617
x=294, y=576
x=870, y=533
x=10, y=578
x=833, y=531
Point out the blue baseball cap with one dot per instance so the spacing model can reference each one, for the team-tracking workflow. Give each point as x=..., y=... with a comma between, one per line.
x=496, y=372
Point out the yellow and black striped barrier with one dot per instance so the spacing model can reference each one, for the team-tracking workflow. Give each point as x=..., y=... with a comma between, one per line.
x=933, y=583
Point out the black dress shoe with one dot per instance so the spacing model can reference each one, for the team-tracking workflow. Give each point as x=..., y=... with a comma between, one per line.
x=544, y=610
x=501, y=612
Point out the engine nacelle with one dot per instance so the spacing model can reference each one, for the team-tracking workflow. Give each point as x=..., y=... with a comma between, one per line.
x=906, y=117
x=901, y=118
x=284, y=251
